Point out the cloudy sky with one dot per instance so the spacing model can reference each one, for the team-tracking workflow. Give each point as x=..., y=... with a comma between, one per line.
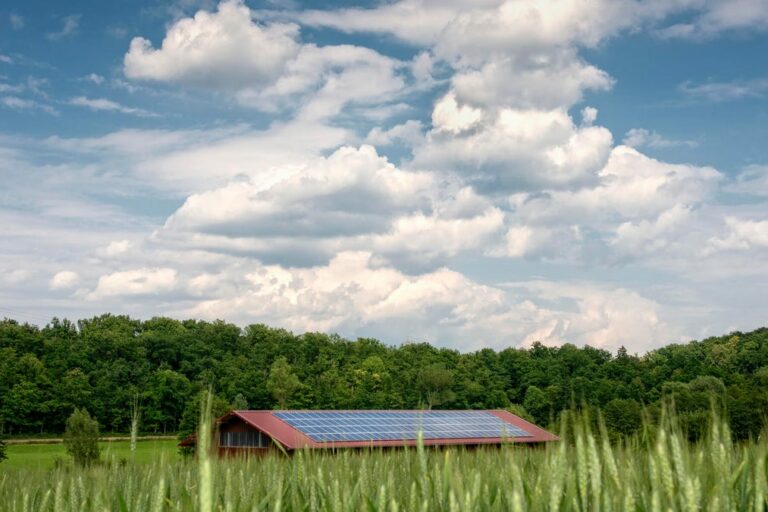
x=472, y=173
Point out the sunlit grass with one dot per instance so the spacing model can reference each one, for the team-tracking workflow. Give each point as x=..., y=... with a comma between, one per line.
x=44, y=456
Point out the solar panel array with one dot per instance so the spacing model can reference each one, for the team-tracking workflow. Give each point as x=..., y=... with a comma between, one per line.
x=325, y=426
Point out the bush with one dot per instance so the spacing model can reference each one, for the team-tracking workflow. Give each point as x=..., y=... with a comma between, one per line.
x=81, y=438
x=3, y=456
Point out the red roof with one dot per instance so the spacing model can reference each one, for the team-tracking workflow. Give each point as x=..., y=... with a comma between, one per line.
x=292, y=438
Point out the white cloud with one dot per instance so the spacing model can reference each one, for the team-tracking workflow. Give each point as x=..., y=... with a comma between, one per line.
x=603, y=317
x=115, y=248
x=631, y=186
x=752, y=180
x=649, y=236
x=222, y=50
x=353, y=191
x=448, y=116
x=410, y=133
x=141, y=281
x=588, y=116
x=23, y=104
x=640, y=137
x=64, y=280
x=352, y=294
x=95, y=78
x=188, y=161
x=717, y=92
x=263, y=65
x=545, y=81
x=11, y=88
x=744, y=234
x=105, y=105
x=717, y=16
x=520, y=149
x=14, y=277
x=5, y=59
x=322, y=80
x=69, y=27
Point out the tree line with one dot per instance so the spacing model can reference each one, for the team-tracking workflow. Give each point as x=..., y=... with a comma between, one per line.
x=104, y=364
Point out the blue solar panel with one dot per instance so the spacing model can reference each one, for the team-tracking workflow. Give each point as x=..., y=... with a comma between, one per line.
x=398, y=425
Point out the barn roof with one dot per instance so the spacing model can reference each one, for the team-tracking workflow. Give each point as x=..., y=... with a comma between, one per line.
x=362, y=428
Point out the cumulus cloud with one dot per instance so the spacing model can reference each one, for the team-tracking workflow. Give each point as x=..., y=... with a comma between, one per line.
x=743, y=234
x=352, y=199
x=353, y=191
x=64, y=280
x=410, y=133
x=449, y=116
x=262, y=65
x=322, y=80
x=352, y=294
x=517, y=150
x=298, y=225
x=141, y=281
x=222, y=50
x=631, y=186
x=648, y=236
x=638, y=207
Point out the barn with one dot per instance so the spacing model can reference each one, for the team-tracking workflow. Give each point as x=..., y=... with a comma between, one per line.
x=255, y=432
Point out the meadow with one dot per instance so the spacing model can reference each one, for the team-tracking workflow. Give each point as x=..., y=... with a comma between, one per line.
x=657, y=471
x=46, y=455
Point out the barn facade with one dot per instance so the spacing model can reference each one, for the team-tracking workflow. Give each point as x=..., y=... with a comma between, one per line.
x=259, y=432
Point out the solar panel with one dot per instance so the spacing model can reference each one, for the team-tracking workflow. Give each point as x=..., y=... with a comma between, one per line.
x=324, y=426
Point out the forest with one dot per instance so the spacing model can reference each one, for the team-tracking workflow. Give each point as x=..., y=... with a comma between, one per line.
x=104, y=363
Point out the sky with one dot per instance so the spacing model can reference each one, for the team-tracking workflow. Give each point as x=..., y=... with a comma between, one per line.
x=469, y=173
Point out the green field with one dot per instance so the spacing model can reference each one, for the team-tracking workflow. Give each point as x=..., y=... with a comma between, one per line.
x=659, y=471
x=43, y=456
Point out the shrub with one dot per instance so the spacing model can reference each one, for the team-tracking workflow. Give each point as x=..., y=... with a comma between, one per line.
x=81, y=438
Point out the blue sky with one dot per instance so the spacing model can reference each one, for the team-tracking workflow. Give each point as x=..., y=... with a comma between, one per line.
x=485, y=173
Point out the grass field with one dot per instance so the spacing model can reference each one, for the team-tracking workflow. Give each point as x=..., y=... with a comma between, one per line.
x=43, y=456
x=660, y=472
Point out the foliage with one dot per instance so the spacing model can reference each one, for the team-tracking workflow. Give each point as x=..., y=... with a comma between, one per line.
x=3, y=455
x=282, y=382
x=436, y=381
x=81, y=438
x=102, y=363
x=583, y=472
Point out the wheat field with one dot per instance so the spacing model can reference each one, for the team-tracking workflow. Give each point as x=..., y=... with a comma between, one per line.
x=660, y=471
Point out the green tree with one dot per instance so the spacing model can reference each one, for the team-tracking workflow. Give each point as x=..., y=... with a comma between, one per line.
x=282, y=382
x=240, y=403
x=436, y=382
x=537, y=403
x=622, y=417
x=81, y=438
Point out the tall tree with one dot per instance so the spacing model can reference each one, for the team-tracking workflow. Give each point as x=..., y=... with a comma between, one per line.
x=436, y=382
x=282, y=382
